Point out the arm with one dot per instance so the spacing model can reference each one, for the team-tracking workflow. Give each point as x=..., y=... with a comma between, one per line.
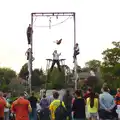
x=112, y=104
x=101, y=102
x=29, y=108
x=59, y=54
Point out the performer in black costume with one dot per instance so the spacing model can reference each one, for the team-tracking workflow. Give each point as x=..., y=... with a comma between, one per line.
x=58, y=42
x=55, y=60
x=76, y=51
x=29, y=33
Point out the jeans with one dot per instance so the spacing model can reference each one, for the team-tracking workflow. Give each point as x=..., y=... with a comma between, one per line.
x=6, y=116
x=33, y=114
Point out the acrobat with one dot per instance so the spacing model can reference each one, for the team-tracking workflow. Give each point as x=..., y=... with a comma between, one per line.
x=29, y=33
x=55, y=60
x=28, y=54
x=58, y=42
x=76, y=51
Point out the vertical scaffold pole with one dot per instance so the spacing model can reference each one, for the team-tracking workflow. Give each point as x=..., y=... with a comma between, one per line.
x=75, y=61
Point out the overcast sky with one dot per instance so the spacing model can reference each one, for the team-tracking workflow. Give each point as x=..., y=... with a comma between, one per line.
x=98, y=24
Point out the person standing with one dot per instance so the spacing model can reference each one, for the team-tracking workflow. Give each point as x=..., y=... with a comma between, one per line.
x=21, y=107
x=3, y=104
x=78, y=107
x=33, y=103
x=117, y=102
x=92, y=106
x=67, y=99
x=56, y=60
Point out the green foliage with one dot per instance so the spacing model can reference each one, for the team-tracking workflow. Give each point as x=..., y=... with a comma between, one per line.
x=24, y=71
x=111, y=67
x=93, y=64
x=57, y=78
x=6, y=75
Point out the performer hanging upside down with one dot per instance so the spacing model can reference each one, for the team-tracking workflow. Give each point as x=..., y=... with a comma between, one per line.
x=76, y=51
x=29, y=33
x=55, y=60
x=58, y=42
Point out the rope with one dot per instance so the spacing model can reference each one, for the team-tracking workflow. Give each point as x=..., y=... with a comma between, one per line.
x=55, y=24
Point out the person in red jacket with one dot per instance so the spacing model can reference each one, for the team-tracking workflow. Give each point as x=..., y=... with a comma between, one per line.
x=3, y=104
x=21, y=107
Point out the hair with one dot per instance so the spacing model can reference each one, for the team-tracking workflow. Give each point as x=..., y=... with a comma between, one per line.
x=44, y=96
x=56, y=95
x=67, y=92
x=105, y=88
x=78, y=93
x=118, y=89
x=92, y=96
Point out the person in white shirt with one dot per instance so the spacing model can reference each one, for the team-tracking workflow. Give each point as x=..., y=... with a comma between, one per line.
x=55, y=60
x=76, y=51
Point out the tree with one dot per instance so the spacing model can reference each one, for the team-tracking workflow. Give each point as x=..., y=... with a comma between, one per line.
x=24, y=71
x=110, y=67
x=6, y=74
x=38, y=77
x=57, y=78
x=93, y=64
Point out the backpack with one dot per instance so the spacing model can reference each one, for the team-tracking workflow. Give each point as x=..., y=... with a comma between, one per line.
x=44, y=103
x=60, y=112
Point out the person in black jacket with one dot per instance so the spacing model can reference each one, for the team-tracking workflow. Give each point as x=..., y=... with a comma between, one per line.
x=78, y=107
x=29, y=33
x=67, y=99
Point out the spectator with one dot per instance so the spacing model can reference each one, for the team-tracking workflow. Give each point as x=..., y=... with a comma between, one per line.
x=6, y=110
x=2, y=106
x=55, y=104
x=44, y=112
x=107, y=103
x=92, y=106
x=78, y=107
x=33, y=103
x=21, y=107
x=67, y=99
x=117, y=102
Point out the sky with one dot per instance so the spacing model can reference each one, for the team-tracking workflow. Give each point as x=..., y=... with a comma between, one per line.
x=97, y=25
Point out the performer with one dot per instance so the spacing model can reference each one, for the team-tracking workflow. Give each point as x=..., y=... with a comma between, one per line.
x=29, y=33
x=58, y=42
x=76, y=51
x=28, y=54
x=55, y=60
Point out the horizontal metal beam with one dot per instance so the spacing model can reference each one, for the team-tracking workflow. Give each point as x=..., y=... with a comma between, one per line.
x=53, y=14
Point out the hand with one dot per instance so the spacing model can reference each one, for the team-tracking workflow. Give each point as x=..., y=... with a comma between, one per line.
x=108, y=110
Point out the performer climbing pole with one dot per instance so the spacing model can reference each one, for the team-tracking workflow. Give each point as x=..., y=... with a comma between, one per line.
x=55, y=60
x=76, y=52
x=29, y=33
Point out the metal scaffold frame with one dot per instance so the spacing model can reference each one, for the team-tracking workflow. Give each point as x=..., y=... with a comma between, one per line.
x=50, y=14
